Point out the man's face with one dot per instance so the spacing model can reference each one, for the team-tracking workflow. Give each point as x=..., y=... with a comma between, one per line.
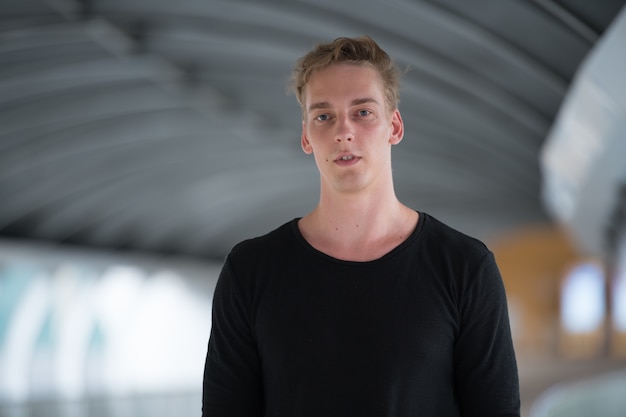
x=349, y=128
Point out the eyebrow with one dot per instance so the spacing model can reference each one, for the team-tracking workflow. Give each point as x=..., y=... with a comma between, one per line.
x=319, y=105
x=364, y=100
x=355, y=102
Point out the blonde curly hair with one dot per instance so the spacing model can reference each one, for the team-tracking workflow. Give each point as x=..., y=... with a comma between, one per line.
x=361, y=50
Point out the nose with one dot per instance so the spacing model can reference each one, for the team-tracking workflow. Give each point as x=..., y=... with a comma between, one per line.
x=344, y=132
x=344, y=137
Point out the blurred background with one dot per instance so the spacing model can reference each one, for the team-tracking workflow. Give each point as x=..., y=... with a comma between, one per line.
x=140, y=140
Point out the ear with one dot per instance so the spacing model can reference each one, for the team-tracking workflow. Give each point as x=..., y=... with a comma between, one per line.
x=304, y=141
x=397, y=128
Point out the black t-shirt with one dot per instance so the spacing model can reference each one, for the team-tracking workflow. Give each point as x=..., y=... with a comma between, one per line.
x=421, y=331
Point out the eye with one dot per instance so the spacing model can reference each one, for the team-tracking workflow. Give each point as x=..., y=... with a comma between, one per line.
x=364, y=113
x=322, y=117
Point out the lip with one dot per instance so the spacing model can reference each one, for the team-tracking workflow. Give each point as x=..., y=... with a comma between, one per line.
x=347, y=159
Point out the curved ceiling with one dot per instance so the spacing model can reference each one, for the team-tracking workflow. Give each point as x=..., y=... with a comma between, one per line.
x=166, y=127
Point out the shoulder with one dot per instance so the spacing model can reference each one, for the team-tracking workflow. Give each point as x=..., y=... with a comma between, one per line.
x=466, y=261
x=441, y=237
x=260, y=247
x=253, y=258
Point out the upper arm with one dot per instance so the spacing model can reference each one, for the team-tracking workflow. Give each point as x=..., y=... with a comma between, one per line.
x=485, y=365
x=232, y=374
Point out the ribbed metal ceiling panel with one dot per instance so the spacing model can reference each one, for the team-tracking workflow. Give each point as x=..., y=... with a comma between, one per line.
x=166, y=127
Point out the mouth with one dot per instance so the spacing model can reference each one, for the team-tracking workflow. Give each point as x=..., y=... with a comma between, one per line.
x=346, y=159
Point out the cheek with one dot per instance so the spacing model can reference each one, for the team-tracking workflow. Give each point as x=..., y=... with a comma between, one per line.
x=322, y=162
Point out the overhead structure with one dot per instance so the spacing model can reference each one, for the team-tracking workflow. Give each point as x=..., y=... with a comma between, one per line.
x=584, y=157
x=165, y=127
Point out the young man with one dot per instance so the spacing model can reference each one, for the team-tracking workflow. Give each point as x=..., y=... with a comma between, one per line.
x=363, y=307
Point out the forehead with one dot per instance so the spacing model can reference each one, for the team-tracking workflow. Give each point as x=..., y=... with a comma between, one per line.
x=344, y=81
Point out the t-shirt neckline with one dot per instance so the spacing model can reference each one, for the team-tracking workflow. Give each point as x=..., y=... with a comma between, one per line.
x=394, y=251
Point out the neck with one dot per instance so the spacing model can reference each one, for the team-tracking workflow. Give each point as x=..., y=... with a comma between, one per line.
x=348, y=212
x=358, y=226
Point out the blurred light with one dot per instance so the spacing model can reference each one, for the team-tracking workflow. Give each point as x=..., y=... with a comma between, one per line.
x=23, y=329
x=77, y=330
x=74, y=317
x=619, y=303
x=582, y=299
x=167, y=341
x=618, y=300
